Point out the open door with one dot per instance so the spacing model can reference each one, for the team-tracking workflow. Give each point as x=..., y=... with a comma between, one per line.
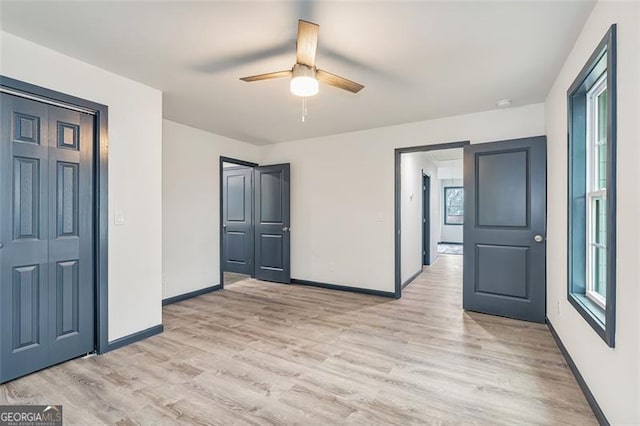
x=504, y=228
x=272, y=223
x=237, y=218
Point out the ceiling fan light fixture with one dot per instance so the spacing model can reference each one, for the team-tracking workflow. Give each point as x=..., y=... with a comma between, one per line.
x=304, y=81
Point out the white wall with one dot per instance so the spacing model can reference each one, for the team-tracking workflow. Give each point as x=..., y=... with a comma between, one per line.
x=612, y=374
x=450, y=233
x=412, y=167
x=342, y=191
x=191, y=205
x=135, y=176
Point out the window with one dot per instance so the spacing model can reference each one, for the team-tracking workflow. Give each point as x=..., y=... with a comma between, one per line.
x=592, y=199
x=453, y=205
x=596, y=223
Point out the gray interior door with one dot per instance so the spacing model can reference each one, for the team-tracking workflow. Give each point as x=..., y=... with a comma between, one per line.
x=46, y=236
x=237, y=219
x=504, y=228
x=272, y=233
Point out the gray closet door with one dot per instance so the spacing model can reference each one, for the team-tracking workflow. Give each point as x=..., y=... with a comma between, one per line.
x=504, y=228
x=272, y=214
x=237, y=219
x=71, y=282
x=46, y=236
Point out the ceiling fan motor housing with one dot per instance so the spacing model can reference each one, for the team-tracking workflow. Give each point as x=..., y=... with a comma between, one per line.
x=303, y=80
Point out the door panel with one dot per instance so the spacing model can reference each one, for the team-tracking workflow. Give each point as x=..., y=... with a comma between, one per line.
x=271, y=202
x=237, y=217
x=26, y=127
x=272, y=223
x=46, y=231
x=502, y=191
x=271, y=248
x=511, y=278
x=26, y=198
x=24, y=236
x=71, y=289
x=26, y=301
x=505, y=208
x=67, y=306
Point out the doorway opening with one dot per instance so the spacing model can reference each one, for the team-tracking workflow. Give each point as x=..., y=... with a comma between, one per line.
x=432, y=212
x=237, y=247
x=255, y=227
x=499, y=208
x=426, y=219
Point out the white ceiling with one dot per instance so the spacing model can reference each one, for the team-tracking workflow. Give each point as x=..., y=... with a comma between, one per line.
x=449, y=162
x=441, y=155
x=418, y=60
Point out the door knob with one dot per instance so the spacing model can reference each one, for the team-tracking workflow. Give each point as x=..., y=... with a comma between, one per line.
x=1, y=245
x=538, y=238
x=285, y=229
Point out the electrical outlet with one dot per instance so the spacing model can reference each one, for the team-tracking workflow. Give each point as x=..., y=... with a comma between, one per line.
x=558, y=307
x=331, y=266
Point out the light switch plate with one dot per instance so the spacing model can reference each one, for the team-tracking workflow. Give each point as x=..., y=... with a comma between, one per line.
x=119, y=217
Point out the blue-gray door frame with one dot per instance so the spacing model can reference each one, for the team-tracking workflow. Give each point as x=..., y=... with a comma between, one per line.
x=426, y=219
x=397, y=191
x=220, y=229
x=100, y=180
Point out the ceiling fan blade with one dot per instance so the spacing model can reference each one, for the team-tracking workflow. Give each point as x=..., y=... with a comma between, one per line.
x=337, y=81
x=307, y=43
x=267, y=76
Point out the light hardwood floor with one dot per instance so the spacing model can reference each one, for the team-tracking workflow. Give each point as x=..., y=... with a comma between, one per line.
x=232, y=277
x=262, y=353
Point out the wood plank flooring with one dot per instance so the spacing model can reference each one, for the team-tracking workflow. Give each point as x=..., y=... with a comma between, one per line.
x=232, y=277
x=262, y=353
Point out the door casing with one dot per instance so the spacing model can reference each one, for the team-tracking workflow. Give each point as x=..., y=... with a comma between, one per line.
x=100, y=186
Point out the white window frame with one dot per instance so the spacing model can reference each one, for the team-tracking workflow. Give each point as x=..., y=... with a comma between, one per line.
x=593, y=191
x=446, y=206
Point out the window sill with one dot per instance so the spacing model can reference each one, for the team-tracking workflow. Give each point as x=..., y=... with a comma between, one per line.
x=591, y=312
x=595, y=298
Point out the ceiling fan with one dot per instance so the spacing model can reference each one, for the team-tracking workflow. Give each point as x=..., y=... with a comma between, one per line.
x=305, y=77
